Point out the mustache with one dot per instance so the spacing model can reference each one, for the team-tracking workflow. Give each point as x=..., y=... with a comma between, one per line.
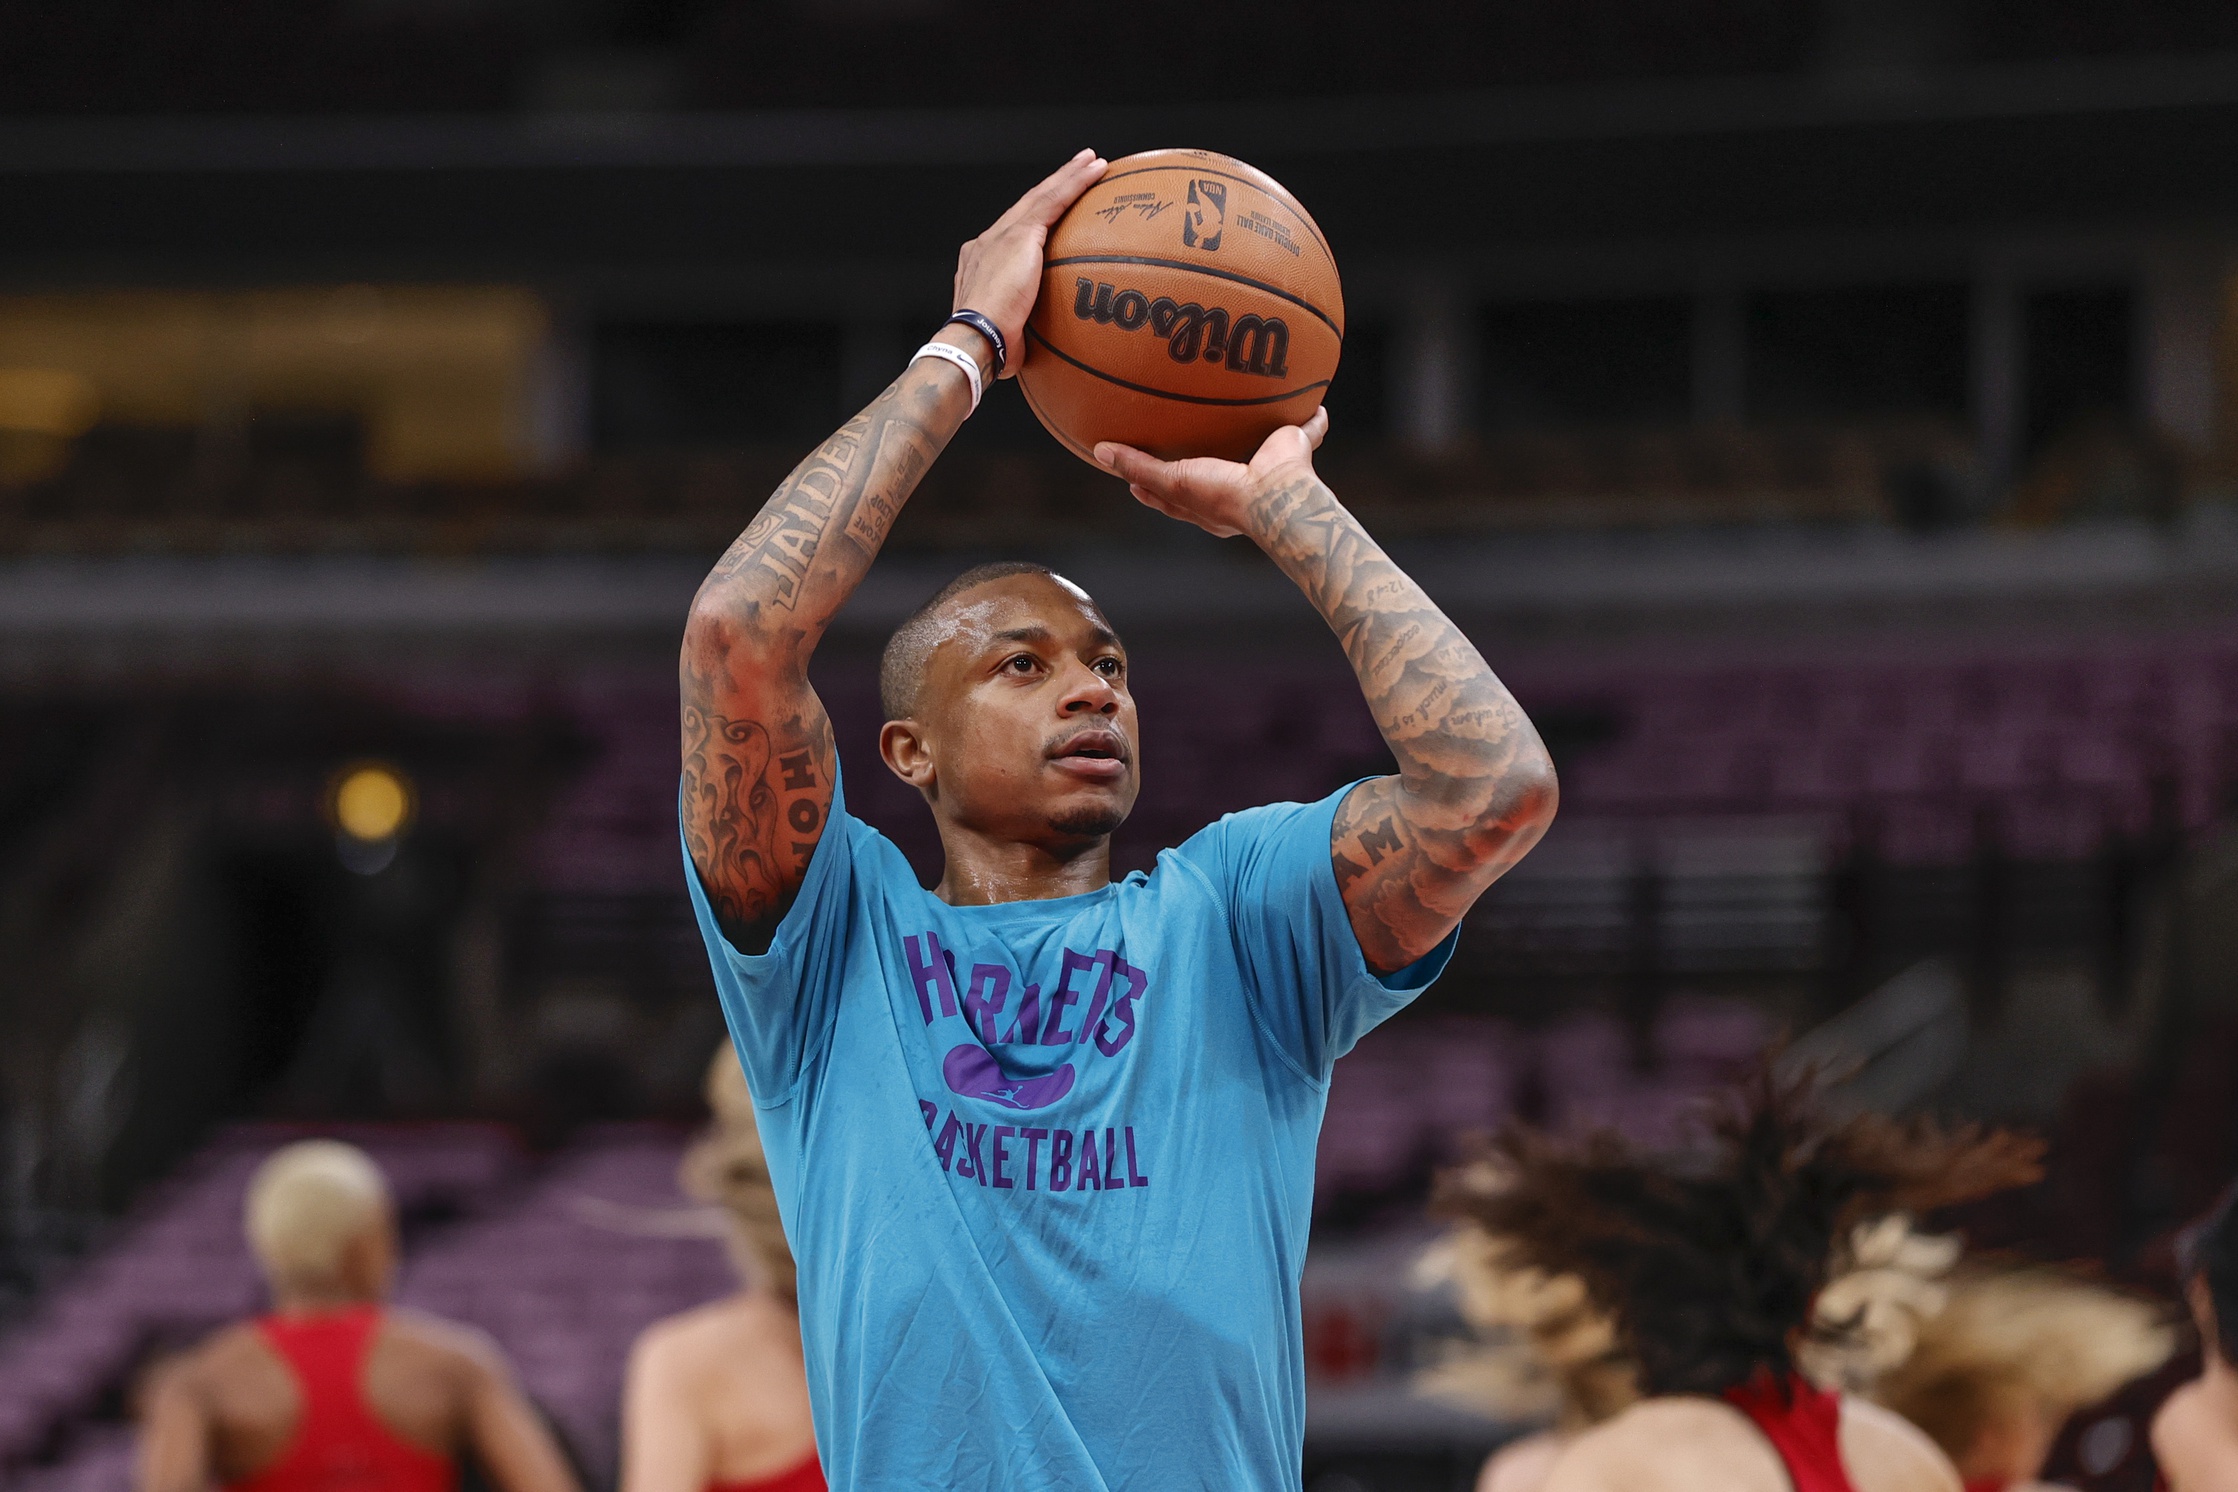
x=1104, y=738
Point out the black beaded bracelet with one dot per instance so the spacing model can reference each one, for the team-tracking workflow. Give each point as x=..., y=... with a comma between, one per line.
x=985, y=328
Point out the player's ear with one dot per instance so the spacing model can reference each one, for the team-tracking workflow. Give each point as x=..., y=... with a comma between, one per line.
x=903, y=747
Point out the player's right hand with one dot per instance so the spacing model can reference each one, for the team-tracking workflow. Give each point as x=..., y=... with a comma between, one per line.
x=998, y=274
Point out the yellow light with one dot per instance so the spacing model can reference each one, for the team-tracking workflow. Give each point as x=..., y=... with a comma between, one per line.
x=372, y=803
x=47, y=401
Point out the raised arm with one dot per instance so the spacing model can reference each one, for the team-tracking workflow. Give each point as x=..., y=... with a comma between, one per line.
x=758, y=755
x=1475, y=787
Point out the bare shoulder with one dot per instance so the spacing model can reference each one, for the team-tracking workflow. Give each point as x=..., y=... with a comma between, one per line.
x=679, y=1342
x=227, y=1346
x=235, y=1355
x=1521, y=1465
x=1884, y=1452
x=441, y=1344
x=2180, y=1413
x=2195, y=1440
x=1676, y=1444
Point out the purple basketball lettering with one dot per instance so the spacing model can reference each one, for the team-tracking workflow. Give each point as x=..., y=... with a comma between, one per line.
x=1060, y=1160
x=1088, y=1027
x=931, y=970
x=945, y=1146
x=1064, y=997
x=1123, y=1007
x=1111, y=1162
x=1134, y=1171
x=984, y=996
x=994, y=1147
x=1029, y=1017
x=975, y=1135
x=1033, y=1139
x=1089, y=1180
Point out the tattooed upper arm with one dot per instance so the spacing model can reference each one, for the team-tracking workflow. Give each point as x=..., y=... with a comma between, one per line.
x=759, y=766
x=755, y=802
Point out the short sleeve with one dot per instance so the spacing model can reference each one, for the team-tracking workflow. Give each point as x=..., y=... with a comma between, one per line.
x=1308, y=981
x=779, y=1005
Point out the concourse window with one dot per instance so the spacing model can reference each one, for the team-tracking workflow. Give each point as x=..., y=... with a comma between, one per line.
x=686, y=385
x=1586, y=362
x=1858, y=352
x=2079, y=361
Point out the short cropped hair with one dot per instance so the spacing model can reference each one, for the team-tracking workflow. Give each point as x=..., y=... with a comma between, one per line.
x=902, y=667
x=307, y=1203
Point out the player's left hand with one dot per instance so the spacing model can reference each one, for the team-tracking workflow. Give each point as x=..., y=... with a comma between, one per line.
x=1213, y=494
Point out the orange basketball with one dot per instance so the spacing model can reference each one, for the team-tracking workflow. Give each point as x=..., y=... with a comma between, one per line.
x=1189, y=306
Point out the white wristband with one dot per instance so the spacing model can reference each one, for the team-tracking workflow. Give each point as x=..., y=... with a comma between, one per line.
x=948, y=352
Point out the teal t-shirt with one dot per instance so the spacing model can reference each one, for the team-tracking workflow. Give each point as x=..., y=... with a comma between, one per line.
x=1047, y=1166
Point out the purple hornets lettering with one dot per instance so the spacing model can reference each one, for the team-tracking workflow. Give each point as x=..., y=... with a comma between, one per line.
x=1105, y=982
x=1090, y=1010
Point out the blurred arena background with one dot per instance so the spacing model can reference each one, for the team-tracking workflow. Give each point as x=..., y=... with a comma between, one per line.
x=1822, y=412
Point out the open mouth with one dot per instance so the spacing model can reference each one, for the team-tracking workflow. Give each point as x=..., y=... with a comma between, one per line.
x=1096, y=754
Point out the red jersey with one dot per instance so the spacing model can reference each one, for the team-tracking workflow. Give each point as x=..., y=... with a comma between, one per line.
x=1804, y=1425
x=341, y=1445
x=807, y=1476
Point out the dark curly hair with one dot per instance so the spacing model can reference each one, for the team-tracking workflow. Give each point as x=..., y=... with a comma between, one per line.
x=1709, y=1261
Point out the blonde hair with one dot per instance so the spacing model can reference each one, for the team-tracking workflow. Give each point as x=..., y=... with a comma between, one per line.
x=307, y=1203
x=1885, y=1285
x=727, y=1167
x=2011, y=1334
x=1544, y=1351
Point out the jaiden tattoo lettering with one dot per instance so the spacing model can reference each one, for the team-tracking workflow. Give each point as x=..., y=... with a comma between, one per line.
x=758, y=761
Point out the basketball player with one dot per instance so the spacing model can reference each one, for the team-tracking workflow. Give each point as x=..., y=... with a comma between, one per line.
x=716, y=1399
x=1709, y=1264
x=331, y=1390
x=2010, y=1357
x=1044, y=1141
x=2195, y=1435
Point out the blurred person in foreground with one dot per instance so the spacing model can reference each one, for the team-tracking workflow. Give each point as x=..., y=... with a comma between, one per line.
x=2195, y=1434
x=332, y=1391
x=1044, y=1138
x=717, y=1399
x=2013, y=1353
x=1710, y=1263
x=1544, y=1351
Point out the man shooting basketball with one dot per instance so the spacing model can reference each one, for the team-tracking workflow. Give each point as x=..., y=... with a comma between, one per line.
x=1044, y=1141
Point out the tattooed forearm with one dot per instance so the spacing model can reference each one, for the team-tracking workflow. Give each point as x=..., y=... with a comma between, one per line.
x=849, y=489
x=758, y=761
x=1474, y=789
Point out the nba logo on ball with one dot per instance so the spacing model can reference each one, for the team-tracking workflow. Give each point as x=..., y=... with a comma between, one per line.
x=1208, y=213
x=1196, y=344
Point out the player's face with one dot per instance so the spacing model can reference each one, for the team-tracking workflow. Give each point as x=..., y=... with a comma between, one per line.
x=1028, y=716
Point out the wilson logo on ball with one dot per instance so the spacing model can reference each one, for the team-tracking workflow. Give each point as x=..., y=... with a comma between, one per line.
x=1207, y=215
x=1246, y=344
